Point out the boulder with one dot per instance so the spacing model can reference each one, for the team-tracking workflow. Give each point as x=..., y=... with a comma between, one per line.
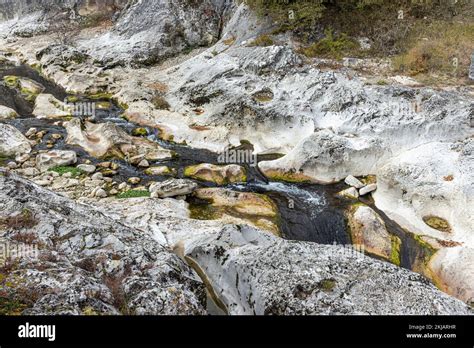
x=237, y=208
x=220, y=175
x=51, y=159
x=6, y=113
x=108, y=139
x=12, y=142
x=172, y=188
x=325, y=158
x=368, y=230
x=256, y=273
x=88, y=262
x=47, y=106
x=160, y=170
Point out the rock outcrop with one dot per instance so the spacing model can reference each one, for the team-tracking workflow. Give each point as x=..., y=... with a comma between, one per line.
x=87, y=263
x=255, y=273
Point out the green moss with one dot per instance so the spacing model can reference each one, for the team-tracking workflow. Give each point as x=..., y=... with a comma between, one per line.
x=133, y=194
x=100, y=96
x=11, y=81
x=140, y=132
x=437, y=223
x=327, y=285
x=63, y=170
x=204, y=211
x=395, y=256
x=103, y=105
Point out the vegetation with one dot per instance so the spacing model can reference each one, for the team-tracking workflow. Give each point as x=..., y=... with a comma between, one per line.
x=430, y=39
x=263, y=41
x=75, y=172
x=133, y=194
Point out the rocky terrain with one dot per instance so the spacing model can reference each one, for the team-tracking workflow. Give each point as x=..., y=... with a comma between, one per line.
x=133, y=213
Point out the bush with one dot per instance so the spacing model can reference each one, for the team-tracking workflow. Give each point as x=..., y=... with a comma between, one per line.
x=263, y=41
x=331, y=46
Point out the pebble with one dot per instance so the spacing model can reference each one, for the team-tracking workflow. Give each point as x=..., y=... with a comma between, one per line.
x=97, y=176
x=144, y=164
x=134, y=181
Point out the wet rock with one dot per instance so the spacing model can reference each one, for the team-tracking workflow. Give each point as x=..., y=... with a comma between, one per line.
x=354, y=182
x=237, y=208
x=172, y=188
x=53, y=159
x=28, y=88
x=368, y=189
x=161, y=170
x=108, y=139
x=368, y=230
x=47, y=106
x=6, y=113
x=12, y=142
x=220, y=175
x=94, y=260
x=254, y=273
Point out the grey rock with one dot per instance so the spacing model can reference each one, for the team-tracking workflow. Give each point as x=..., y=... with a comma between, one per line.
x=471, y=69
x=53, y=159
x=92, y=263
x=12, y=142
x=87, y=168
x=255, y=273
x=172, y=188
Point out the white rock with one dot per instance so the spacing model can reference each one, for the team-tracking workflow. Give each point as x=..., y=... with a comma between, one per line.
x=47, y=106
x=172, y=188
x=351, y=193
x=368, y=189
x=56, y=158
x=354, y=182
x=97, y=176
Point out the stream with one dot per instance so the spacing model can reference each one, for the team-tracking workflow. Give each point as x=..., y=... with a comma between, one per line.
x=308, y=212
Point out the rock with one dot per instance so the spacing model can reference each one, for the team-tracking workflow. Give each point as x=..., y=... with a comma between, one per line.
x=134, y=181
x=12, y=142
x=325, y=158
x=220, y=175
x=56, y=158
x=368, y=189
x=453, y=270
x=354, y=182
x=31, y=132
x=89, y=261
x=108, y=139
x=100, y=193
x=47, y=106
x=368, y=230
x=97, y=176
x=28, y=88
x=147, y=31
x=161, y=170
x=172, y=188
x=7, y=113
x=256, y=273
x=87, y=168
x=237, y=208
x=12, y=165
x=350, y=193
x=123, y=186
x=144, y=164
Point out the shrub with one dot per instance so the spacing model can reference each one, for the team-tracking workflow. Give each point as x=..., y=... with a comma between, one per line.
x=332, y=46
x=263, y=41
